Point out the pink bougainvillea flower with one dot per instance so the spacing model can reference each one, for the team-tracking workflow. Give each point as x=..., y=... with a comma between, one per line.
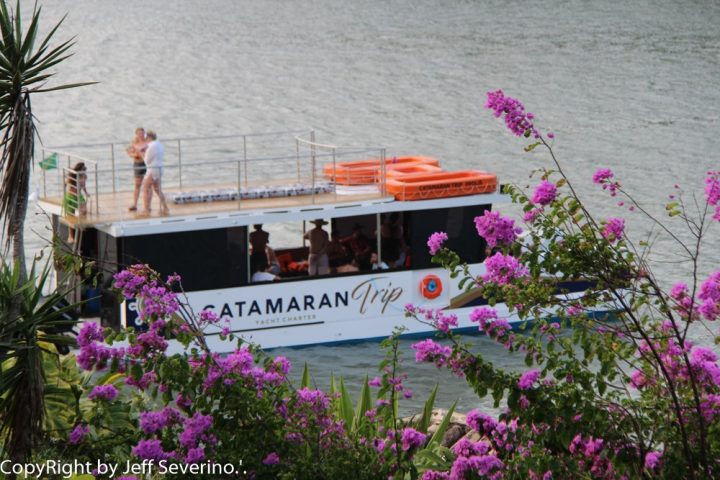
x=613, y=229
x=544, y=193
x=436, y=241
x=496, y=229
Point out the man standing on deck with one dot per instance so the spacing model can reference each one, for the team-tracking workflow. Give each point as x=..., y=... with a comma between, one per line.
x=259, y=240
x=154, y=156
x=319, y=241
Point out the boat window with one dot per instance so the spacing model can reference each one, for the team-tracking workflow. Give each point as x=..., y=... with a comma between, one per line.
x=205, y=259
x=353, y=247
x=456, y=222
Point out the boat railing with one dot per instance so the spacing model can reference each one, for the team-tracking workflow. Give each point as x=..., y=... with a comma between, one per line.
x=199, y=169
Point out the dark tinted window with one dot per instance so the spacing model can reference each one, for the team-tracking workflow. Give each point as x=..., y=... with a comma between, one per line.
x=205, y=259
x=456, y=222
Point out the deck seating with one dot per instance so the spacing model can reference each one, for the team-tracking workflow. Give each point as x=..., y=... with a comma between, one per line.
x=232, y=194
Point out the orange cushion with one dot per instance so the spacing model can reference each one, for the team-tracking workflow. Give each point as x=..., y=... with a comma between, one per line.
x=284, y=259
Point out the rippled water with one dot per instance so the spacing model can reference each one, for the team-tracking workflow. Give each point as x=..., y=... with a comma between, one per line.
x=628, y=85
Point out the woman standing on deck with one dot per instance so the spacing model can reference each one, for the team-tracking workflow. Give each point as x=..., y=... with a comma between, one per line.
x=136, y=150
x=76, y=195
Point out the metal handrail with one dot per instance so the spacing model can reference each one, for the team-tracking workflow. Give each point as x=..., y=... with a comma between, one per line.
x=211, y=158
x=187, y=139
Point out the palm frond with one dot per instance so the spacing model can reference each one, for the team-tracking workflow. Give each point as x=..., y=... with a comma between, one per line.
x=30, y=337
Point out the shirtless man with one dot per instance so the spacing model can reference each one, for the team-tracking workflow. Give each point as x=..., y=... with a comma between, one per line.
x=318, y=258
x=259, y=240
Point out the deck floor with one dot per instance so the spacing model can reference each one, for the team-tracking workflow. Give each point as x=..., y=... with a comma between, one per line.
x=113, y=207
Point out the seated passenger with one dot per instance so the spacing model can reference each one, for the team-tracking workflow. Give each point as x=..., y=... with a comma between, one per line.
x=262, y=275
x=359, y=246
x=376, y=265
x=337, y=254
x=273, y=263
x=348, y=267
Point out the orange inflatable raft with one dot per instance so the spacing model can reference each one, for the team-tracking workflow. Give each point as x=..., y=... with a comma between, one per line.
x=397, y=171
x=423, y=186
x=362, y=172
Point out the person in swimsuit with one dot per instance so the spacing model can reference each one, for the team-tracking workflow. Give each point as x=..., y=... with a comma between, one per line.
x=136, y=150
x=76, y=195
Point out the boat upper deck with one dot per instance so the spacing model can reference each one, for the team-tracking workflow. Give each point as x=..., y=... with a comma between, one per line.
x=220, y=181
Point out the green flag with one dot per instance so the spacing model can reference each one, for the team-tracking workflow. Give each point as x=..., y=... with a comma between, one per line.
x=49, y=162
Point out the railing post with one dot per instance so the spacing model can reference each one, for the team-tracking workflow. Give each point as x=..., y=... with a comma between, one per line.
x=378, y=238
x=97, y=190
x=312, y=176
x=245, y=159
x=297, y=157
x=239, y=184
x=112, y=160
x=383, y=172
x=334, y=179
x=179, y=164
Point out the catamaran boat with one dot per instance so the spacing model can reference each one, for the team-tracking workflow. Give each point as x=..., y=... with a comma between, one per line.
x=379, y=209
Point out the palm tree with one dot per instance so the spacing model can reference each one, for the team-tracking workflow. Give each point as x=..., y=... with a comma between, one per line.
x=25, y=68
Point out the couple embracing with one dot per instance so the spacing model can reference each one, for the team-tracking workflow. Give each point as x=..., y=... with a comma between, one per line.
x=147, y=153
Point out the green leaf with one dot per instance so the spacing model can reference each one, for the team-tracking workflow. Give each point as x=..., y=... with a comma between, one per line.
x=305, y=380
x=364, y=404
x=424, y=421
x=531, y=147
x=346, y=407
x=442, y=428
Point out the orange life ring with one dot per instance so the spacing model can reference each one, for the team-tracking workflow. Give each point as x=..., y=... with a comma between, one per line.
x=431, y=287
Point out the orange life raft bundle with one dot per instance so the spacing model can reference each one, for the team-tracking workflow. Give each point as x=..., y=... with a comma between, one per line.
x=363, y=172
x=423, y=186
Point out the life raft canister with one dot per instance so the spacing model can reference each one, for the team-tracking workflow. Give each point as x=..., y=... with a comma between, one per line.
x=431, y=287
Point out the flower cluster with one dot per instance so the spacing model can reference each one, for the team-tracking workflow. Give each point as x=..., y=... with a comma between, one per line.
x=710, y=295
x=153, y=422
x=496, y=229
x=436, y=241
x=613, y=229
x=435, y=316
x=603, y=176
x=103, y=392
x=496, y=328
x=140, y=282
x=545, y=193
x=528, y=379
x=517, y=120
x=412, y=439
x=684, y=302
x=431, y=351
x=503, y=269
x=712, y=191
x=78, y=434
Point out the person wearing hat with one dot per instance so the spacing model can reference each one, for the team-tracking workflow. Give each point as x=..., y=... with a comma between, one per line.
x=319, y=240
